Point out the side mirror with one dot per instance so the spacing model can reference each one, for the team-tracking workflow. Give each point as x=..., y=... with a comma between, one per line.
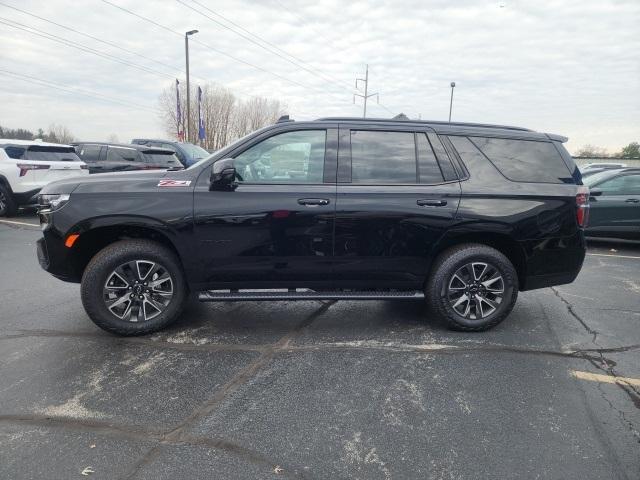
x=223, y=175
x=595, y=192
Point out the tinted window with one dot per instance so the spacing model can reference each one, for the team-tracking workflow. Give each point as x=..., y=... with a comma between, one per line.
x=89, y=153
x=292, y=157
x=162, y=159
x=443, y=159
x=14, y=152
x=121, y=154
x=525, y=160
x=383, y=157
x=428, y=169
x=623, y=185
x=51, y=154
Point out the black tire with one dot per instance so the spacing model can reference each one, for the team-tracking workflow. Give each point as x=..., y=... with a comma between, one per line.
x=441, y=293
x=8, y=205
x=101, y=268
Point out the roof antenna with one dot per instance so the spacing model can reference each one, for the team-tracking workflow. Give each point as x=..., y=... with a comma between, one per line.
x=284, y=118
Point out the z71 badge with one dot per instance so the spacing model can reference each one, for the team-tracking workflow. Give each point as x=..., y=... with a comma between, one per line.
x=174, y=183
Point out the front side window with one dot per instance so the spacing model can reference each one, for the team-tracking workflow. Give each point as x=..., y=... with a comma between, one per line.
x=291, y=157
x=379, y=157
x=623, y=185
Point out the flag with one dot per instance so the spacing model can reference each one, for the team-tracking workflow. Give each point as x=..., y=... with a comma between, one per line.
x=179, y=112
x=200, y=118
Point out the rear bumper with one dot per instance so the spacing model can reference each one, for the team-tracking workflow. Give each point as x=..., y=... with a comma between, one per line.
x=26, y=198
x=554, y=261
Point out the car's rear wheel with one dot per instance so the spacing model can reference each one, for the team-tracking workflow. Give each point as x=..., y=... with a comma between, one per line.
x=133, y=287
x=472, y=287
x=8, y=205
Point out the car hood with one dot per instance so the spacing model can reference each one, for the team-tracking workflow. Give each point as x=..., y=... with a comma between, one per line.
x=111, y=179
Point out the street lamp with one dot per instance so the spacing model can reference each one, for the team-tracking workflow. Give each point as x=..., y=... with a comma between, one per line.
x=453, y=85
x=186, y=49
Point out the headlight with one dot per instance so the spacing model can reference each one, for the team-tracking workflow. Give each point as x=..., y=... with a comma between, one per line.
x=52, y=202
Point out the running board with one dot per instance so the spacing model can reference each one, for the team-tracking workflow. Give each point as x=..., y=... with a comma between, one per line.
x=244, y=295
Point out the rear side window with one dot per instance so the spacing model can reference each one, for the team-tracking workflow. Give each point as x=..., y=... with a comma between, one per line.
x=428, y=169
x=525, y=160
x=162, y=159
x=118, y=154
x=89, y=153
x=379, y=157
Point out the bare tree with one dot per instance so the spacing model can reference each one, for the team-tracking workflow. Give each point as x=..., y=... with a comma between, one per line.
x=113, y=138
x=59, y=134
x=591, y=151
x=225, y=117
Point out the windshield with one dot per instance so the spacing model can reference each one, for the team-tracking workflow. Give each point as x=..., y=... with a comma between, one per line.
x=43, y=153
x=596, y=178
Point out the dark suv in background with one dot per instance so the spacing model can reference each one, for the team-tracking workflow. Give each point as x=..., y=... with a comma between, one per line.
x=464, y=215
x=187, y=153
x=116, y=157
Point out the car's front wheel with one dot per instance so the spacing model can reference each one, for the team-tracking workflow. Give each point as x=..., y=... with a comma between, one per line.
x=133, y=287
x=472, y=287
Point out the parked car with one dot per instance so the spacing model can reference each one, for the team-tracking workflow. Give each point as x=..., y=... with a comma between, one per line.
x=26, y=166
x=105, y=157
x=615, y=204
x=603, y=165
x=187, y=153
x=591, y=171
x=464, y=215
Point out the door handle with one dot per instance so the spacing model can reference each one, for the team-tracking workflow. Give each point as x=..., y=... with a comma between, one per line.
x=431, y=202
x=632, y=200
x=313, y=202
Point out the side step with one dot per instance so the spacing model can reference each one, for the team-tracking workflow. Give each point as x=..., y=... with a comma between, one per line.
x=305, y=294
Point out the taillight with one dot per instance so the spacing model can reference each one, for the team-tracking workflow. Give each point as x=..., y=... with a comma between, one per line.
x=582, y=204
x=25, y=167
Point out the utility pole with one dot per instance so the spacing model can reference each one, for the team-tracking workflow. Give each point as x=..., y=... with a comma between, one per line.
x=186, y=51
x=366, y=92
x=453, y=85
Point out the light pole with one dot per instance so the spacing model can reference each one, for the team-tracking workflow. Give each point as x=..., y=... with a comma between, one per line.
x=186, y=50
x=453, y=85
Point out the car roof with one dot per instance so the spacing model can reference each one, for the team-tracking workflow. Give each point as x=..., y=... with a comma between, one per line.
x=162, y=140
x=612, y=172
x=441, y=127
x=133, y=146
x=13, y=141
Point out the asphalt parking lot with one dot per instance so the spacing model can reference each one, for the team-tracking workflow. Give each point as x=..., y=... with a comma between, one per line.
x=321, y=389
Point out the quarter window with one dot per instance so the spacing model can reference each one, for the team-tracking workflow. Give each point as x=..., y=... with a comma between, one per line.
x=383, y=157
x=291, y=157
x=525, y=160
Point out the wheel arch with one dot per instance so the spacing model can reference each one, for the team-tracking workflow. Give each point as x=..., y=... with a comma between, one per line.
x=501, y=241
x=96, y=235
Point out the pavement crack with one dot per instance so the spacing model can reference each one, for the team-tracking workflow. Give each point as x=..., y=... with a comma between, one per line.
x=179, y=433
x=575, y=315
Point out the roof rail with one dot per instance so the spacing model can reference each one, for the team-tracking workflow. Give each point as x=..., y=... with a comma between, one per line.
x=424, y=122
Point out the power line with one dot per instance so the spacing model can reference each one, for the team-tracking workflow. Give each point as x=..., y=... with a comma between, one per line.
x=298, y=61
x=164, y=27
x=73, y=90
x=66, y=27
x=69, y=43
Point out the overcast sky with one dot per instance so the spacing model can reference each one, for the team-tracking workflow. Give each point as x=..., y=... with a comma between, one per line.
x=567, y=67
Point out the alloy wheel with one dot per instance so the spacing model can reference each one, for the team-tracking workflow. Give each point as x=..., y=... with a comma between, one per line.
x=138, y=291
x=476, y=290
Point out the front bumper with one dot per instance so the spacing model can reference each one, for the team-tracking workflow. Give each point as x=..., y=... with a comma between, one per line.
x=54, y=257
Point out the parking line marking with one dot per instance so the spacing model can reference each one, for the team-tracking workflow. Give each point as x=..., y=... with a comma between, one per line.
x=597, y=377
x=13, y=222
x=607, y=255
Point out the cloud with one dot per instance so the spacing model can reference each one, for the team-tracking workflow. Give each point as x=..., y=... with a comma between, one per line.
x=569, y=67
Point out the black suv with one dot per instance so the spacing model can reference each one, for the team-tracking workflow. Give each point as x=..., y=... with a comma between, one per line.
x=103, y=157
x=465, y=215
